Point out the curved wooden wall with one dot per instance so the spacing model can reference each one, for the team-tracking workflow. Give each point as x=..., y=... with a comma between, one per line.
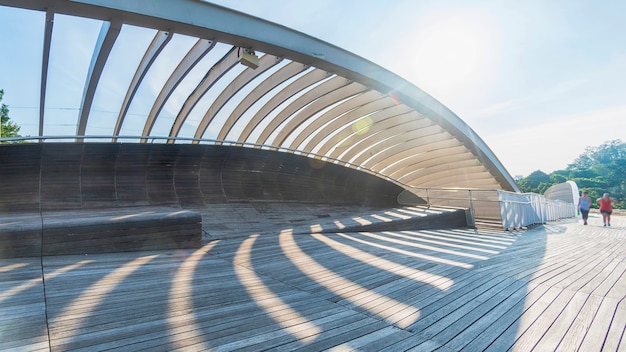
x=57, y=176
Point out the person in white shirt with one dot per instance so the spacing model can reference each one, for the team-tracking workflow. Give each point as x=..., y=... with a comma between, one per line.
x=584, y=204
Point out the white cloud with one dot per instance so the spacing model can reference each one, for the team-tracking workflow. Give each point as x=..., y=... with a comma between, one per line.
x=554, y=144
x=537, y=97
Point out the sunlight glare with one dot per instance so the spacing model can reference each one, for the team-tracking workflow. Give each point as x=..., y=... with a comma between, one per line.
x=361, y=126
x=389, y=309
x=12, y=267
x=440, y=282
x=409, y=253
x=88, y=301
x=36, y=281
x=453, y=53
x=438, y=241
x=361, y=221
x=180, y=299
x=281, y=312
x=422, y=246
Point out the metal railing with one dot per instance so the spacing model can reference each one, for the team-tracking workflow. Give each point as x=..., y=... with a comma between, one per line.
x=512, y=210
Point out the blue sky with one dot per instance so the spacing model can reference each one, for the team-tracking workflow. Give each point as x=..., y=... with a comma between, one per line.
x=539, y=81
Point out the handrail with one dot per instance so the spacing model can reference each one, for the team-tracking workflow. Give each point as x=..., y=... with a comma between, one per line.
x=514, y=210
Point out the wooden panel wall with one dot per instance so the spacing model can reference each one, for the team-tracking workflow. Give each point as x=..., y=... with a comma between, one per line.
x=187, y=177
x=59, y=176
x=130, y=175
x=19, y=178
x=160, y=174
x=97, y=175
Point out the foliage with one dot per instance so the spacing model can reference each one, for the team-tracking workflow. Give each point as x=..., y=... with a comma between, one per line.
x=601, y=155
x=7, y=127
x=597, y=170
x=537, y=182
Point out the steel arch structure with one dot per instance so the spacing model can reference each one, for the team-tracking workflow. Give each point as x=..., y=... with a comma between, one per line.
x=272, y=87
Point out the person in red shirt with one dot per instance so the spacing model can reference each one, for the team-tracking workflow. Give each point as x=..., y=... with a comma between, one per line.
x=606, y=208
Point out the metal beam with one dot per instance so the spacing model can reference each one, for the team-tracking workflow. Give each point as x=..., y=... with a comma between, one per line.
x=277, y=78
x=216, y=72
x=308, y=115
x=108, y=34
x=309, y=96
x=154, y=49
x=195, y=54
x=386, y=147
x=349, y=133
x=295, y=87
x=265, y=63
x=415, y=159
x=327, y=125
x=320, y=125
x=45, y=60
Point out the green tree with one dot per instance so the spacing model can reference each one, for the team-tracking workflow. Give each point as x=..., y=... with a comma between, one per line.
x=7, y=127
x=617, y=173
x=535, y=182
x=582, y=173
x=603, y=154
x=590, y=183
x=556, y=178
x=617, y=170
x=584, y=161
x=597, y=170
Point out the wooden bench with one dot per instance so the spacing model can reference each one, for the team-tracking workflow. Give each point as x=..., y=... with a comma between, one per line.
x=20, y=235
x=98, y=231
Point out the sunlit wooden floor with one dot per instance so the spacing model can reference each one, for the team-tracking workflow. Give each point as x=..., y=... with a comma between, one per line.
x=555, y=287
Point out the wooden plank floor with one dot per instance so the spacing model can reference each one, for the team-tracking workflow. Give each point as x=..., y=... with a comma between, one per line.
x=555, y=287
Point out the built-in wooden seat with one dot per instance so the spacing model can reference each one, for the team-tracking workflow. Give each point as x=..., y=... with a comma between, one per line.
x=20, y=235
x=98, y=231
x=120, y=230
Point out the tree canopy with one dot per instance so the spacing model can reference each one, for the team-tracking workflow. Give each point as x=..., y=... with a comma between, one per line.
x=7, y=127
x=597, y=170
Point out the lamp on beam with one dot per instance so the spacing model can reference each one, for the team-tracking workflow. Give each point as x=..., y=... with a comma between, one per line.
x=248, y=57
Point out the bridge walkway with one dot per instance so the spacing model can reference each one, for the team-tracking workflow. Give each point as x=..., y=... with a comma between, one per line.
x=559, y=286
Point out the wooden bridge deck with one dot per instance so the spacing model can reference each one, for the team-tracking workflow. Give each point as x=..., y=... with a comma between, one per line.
x=555, y=287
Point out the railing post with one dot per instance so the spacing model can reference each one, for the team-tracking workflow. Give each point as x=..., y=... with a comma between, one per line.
x=472, y=211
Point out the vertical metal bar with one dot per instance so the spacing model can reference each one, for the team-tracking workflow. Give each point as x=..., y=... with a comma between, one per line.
x=108, y=34
x=45, y=59
x=156, y=46
x=472, y=212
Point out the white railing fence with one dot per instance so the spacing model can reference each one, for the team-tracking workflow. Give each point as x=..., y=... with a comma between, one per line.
x=512, y=210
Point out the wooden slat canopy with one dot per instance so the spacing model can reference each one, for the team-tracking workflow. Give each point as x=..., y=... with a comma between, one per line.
x=303, y=95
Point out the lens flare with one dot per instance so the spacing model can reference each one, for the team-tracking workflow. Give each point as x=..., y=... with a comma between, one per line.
x=362, y=125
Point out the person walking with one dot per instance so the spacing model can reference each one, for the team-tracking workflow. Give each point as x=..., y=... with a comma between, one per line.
x=606, y=208
x=584, y=204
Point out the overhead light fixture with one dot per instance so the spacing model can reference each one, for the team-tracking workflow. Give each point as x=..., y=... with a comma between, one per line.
x=248, y=57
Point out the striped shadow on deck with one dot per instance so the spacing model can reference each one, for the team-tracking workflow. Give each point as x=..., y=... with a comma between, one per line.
x=559, y=286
